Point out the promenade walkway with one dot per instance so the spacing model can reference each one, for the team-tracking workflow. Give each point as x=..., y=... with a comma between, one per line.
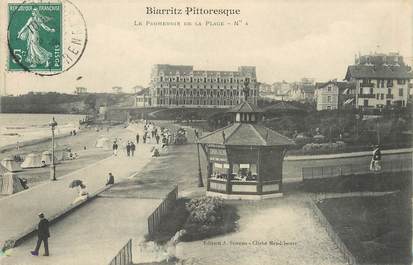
x=19, y=211
x=92, y=235
x=360, y=161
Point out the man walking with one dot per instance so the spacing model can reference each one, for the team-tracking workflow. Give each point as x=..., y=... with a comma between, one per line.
x=132, y=148
x=128, y=148
x=43, y=234
x=115, y=148
x=137, y=138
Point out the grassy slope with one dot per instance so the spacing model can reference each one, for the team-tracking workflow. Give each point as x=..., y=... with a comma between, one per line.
x=375, y=229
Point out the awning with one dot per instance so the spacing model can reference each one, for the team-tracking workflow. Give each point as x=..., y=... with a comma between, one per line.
x=348, y=101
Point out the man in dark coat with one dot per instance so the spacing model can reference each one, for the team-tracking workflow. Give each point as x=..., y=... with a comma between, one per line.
x=137, y=138
x=111, y=179
x=115, y=148
x=43, y=234
x=132, y=148
x=128, y=148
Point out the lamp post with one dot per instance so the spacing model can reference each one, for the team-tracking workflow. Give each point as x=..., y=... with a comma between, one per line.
x=200, y=181
x=52, y=124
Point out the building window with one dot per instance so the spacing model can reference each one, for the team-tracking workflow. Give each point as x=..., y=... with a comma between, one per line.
x=389, y=83
x=382, y=96
x=329, y=88
x=329, y=107
x=388, y=102
x=366, y=103
x=400, y=92
x=389, y=91
x=328, y=98
x=366, y=90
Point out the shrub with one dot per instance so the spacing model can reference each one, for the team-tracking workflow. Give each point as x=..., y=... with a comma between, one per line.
x=316, y=148
x=209, y=216
x=205, y=210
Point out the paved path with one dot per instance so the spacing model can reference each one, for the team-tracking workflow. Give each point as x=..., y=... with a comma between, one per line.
x=347, y=155
x=19, y=211
x=281, y=231
x=91, y=235
x=292, y=168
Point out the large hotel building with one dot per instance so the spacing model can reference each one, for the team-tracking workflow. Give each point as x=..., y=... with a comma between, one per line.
x=182, y=86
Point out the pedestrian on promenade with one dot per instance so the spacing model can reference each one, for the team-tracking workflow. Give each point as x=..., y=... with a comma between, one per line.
x=43, y=235
x=111, y=179
x=128, y=148
x=375, y=164
x=144, y=137
x=115, y=148
x=157, y=137
x=132, y=148
x=137, y=138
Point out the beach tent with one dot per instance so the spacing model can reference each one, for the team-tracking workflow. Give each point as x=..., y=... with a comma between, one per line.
x=61, y=154
x=47, y=157
x=32, y=160
x=104, y=143
x=9, y=182
x=10, y=164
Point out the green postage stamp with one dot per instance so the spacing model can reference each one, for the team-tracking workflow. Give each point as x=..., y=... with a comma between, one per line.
x=35, y=37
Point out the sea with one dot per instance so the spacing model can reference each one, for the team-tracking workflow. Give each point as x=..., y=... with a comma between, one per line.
x=18, y=128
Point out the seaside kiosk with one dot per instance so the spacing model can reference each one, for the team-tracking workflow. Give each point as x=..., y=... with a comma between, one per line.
x=245, y=158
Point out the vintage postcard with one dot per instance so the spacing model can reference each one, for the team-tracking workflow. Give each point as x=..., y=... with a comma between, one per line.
x=206, y=132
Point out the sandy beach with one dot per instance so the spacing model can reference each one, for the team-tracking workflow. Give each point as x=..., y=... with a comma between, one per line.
x=83, y=144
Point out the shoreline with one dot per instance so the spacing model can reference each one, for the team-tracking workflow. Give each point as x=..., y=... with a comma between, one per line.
x=11, y=147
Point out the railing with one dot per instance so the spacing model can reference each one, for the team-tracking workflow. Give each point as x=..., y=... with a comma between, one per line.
x=332, y=234
x=367, y=84
x=389, y=96
x=124, y=256
x=354, y=169
x=367, y=95
x=154, y=220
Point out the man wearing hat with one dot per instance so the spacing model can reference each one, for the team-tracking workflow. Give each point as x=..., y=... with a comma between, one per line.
x=42, y=235
x=111, y=179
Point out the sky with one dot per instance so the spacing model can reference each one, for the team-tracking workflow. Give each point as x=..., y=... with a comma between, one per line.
x=285, y=40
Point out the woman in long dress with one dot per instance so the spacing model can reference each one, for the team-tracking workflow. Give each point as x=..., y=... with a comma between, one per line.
x=36, y=55
x=83, y=194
